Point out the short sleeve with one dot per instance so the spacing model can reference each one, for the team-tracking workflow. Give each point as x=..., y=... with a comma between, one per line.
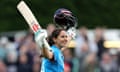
x=55, y=54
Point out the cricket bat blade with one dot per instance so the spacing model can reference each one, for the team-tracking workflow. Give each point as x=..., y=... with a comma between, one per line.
x=28, y=16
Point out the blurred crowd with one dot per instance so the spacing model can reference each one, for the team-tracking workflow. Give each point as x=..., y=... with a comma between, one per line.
x=19, y=53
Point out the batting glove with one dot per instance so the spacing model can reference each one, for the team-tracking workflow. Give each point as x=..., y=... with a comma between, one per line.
x=72, y=32
x=40, y=38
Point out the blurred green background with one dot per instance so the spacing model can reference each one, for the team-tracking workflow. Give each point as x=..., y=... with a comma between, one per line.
x=90, y=13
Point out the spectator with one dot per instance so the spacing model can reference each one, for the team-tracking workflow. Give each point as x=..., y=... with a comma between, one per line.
x=50, y=28
x=70, y=60
x=81, y=38
x=3, y=67
x=11, y=62
x=99, y=39
x=90, y=64
x=67, y=67
x=36, y=67
x=23, y=65
x=107, y=64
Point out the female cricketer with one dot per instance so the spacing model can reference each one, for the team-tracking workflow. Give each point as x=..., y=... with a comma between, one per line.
x=53, y=60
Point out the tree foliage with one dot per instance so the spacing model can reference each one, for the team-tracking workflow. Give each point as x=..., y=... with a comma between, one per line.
x=90, y=13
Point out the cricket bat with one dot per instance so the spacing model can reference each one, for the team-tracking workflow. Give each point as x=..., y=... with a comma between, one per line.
x=28, y=16
x=30, y=19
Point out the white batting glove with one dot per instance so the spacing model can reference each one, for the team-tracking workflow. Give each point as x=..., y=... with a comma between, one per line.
x=72, y=32
x=40, y=38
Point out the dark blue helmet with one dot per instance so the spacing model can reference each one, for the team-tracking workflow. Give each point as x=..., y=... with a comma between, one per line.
x=64, y=18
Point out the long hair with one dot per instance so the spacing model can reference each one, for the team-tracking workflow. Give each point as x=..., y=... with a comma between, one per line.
x=54, y=34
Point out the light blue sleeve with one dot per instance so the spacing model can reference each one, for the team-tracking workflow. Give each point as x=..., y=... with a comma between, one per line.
x=56, y=54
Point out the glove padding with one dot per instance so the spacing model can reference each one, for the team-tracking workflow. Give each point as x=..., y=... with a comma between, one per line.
x=72, y=32
x=40, y=38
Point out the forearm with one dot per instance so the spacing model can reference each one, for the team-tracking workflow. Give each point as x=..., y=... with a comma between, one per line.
x=40, y=38
x=47, y=53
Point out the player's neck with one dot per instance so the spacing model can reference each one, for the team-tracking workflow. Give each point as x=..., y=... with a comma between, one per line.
x=58, y=46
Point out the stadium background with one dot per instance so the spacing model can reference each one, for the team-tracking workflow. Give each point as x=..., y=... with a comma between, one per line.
x=98, y=35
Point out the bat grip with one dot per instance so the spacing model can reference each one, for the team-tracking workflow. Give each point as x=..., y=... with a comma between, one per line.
x=46, y=45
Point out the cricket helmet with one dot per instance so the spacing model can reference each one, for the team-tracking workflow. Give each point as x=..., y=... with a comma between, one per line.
x=64, y=18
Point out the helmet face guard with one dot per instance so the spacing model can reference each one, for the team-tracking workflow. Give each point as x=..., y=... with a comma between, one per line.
x=64, y=18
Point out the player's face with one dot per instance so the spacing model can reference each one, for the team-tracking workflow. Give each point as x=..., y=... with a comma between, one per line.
x=62, y=39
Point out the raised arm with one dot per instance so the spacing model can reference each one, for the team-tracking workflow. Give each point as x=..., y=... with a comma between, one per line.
x=40, y=38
